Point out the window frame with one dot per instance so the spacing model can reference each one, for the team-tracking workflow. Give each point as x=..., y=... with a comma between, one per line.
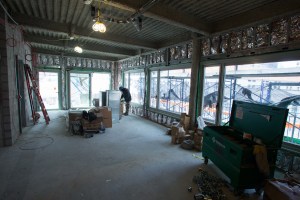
x=159, y=69
x=274, y=57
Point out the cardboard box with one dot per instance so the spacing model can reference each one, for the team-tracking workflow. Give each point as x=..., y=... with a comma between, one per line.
x=93, y=125
x=75, y=115
x=277, y=189
x=107, y=119
x=105, y=114
x=185, y=121
x=177, y=134
x=174, y=130
x=198, y=137
x=174, y=134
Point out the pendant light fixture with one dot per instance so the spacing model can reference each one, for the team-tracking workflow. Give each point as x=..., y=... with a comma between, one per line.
x=78, y=49
x=98, y=25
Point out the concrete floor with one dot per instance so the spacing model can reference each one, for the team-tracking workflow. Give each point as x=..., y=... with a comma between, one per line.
x=133, y=160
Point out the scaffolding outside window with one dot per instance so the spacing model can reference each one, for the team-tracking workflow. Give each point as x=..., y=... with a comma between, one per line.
x=210, y=93
x=153, y=88
x=174, y=90
x=275, y=84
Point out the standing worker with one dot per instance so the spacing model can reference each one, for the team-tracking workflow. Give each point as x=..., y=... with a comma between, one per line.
x=127, y=97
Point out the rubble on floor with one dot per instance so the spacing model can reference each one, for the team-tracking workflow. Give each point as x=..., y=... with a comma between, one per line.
x=209, y=187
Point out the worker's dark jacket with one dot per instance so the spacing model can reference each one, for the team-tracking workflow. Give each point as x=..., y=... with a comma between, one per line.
x=126, y=94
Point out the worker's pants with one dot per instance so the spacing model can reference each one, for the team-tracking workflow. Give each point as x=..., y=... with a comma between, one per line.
x=127, y=107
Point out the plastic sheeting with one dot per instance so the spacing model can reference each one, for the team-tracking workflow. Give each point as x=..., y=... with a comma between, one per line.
x=215, y=45
x=295, y=28
x=172, y=53
x=206, y=47
x=262, y=35
x=224, y=43
x=279, y=32
x=236, y=41
x=189, y=50
x=248, y=38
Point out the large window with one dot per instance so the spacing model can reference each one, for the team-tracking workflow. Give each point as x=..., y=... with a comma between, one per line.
x=275, y=84
x=174, y=90
x=48, y=84
x=135, y=82
x=79, y=89
x=153, y=89
x=100, y=82
x=210, y=92
x=84, y=87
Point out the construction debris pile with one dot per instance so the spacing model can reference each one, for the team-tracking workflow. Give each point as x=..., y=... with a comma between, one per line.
x=210, y=187
x=180, y=133
x=88, y=122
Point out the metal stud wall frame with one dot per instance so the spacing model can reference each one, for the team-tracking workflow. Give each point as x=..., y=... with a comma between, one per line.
x=76, y=62
x=176, y=54
x=283, y=31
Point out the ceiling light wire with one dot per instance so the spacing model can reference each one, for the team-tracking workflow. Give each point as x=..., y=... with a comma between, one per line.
x=98, y=25
x=8, y=14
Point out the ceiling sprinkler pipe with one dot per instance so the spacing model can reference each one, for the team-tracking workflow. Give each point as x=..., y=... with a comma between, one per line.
x=142, y=10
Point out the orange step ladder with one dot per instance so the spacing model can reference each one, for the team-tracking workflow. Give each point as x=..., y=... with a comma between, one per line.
x=34, y=87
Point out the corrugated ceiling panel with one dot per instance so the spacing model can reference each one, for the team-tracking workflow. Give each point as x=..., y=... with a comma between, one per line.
x=214, y=10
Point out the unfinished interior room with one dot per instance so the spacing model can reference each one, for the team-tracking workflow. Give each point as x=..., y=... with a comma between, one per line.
x=150, y=99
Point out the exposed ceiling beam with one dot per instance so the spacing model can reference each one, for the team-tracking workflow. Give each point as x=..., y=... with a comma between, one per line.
x=165, y=14
x=86, y=46
x=82, y=55
x=269, y=11
x=60, y=27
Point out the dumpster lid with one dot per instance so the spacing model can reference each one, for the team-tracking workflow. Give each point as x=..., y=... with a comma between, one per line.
x=262, y=121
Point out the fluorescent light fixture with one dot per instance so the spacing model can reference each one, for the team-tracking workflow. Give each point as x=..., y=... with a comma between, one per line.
x=78, y=49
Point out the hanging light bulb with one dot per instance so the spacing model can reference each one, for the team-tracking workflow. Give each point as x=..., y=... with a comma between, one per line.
x=98, y=26
x=78, y=49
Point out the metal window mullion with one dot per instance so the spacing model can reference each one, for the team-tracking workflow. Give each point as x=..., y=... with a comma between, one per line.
x=220, y=94
x=68, y=89
x=158, y=89
x=90, y=89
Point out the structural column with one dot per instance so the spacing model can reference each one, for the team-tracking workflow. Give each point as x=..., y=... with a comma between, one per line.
x=194, y=79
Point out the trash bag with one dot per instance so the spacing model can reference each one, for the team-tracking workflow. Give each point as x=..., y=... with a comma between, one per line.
x=201, y=123
x=90, y=116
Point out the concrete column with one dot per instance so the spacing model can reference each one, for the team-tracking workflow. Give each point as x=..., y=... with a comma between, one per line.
x=194, y=79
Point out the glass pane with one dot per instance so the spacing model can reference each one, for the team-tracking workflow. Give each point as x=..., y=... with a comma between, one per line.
x=126, y=80
x=267, y=83
x=137, y=85
x=79, y=89
x=210, y=93
x=48, y=83
x=100, y=82
x=153, y=89
x=175, y=90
